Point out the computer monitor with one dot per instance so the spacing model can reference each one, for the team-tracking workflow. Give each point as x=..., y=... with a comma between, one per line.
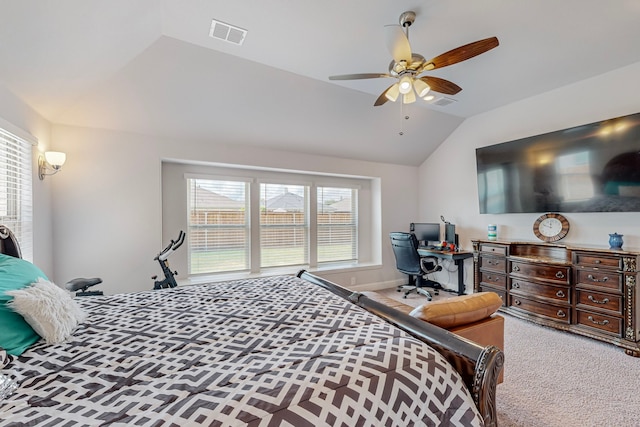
x=426, y=232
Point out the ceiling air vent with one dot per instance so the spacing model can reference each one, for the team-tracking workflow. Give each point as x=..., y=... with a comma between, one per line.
x=443, y=101
x=229, y=33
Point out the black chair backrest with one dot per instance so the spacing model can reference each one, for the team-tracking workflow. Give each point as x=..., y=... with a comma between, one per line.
x=405, y=248
x=8, y=243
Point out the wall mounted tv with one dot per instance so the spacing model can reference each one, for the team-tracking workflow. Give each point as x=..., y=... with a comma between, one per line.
x=589, y=168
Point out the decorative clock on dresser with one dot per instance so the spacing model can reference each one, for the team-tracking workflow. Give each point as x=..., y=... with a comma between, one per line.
x=587, y=291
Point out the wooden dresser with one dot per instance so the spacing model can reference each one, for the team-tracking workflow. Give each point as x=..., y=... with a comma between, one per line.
x=587, y=291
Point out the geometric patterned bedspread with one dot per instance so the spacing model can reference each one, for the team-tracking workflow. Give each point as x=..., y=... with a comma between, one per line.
x=257, y=352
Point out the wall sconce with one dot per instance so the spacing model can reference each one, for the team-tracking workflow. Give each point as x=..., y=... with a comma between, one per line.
x=50, y=163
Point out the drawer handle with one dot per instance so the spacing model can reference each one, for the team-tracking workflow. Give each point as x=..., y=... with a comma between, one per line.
x=492, y=262
x=604, y=301
x=515, y=268
x=561, y=313
x=593, y=279
x=516, y=302
x=560, y=294
x=515, y=285
x=560, y=275
x=604, y=322
x=598, y=261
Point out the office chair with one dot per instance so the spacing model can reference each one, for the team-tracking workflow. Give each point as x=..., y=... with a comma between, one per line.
x=409, y=261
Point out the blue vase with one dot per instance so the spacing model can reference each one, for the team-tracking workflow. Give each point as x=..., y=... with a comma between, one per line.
x=615, y=241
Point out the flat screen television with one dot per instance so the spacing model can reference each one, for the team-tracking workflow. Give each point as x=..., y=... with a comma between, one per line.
x=589, y=168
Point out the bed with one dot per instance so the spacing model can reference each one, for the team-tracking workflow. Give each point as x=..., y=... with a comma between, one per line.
x=282, y=350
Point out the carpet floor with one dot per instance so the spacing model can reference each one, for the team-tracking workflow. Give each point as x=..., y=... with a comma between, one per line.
x=557, y=379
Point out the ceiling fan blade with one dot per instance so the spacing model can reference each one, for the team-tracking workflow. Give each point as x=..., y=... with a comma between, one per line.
x=358, y=76
x=441, y=85
x=397, y=43
x=461, y=53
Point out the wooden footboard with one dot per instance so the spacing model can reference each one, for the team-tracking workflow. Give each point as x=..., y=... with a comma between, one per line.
x=478, y=366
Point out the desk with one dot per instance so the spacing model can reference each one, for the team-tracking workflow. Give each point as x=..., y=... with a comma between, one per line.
x=457, y=257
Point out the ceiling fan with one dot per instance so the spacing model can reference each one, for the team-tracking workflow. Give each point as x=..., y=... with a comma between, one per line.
x=407, y=66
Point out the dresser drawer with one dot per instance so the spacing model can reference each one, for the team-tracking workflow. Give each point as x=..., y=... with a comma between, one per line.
x=524, y=288
x=501, y=292
x=557, y=313
x=493, y=264
x=488, y=248
x=553, y=273
x=600, y=279
x=590, y=259
x=493, y=279
x=602, y=322
x=600, y=301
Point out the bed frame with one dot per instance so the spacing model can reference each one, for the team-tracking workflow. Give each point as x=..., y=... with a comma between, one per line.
x=479, y=367
x=9, y=243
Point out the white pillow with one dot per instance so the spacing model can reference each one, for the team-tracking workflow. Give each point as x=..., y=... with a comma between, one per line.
x=48, y=309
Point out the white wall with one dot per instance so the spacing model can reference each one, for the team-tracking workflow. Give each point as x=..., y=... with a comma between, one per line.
x=107, y=202
x=609, y=95
x=24, y=118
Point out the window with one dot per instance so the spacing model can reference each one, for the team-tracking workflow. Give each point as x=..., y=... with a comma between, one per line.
x=284, y=227
x=16, y=205
x=248, y=221
x=337, y=224
x=219, y=227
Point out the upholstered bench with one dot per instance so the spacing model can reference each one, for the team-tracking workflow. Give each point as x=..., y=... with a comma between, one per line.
x=470, y=316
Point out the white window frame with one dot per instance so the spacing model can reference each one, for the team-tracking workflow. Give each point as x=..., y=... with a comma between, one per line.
x=175, y=213
x=305, y=227
x=16, y=184
x=247, y=227
x=355, y=226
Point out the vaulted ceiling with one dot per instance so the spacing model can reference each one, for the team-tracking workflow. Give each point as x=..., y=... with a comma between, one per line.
x=150, y=66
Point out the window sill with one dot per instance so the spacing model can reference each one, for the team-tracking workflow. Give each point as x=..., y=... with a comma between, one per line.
x=223, y=277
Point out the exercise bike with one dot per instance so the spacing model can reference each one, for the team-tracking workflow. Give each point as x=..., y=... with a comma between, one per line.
x=169, y=280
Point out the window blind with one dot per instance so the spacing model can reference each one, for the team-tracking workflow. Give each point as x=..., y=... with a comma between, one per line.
x=16, y=198
x=219, y=226
x=284, y=225
x=288, y=220
x=337, y=224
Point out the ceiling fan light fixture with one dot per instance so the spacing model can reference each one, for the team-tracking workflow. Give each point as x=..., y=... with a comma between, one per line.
x=405, y=85
x=393, y=92
x=422, y=88
x=409, y=98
